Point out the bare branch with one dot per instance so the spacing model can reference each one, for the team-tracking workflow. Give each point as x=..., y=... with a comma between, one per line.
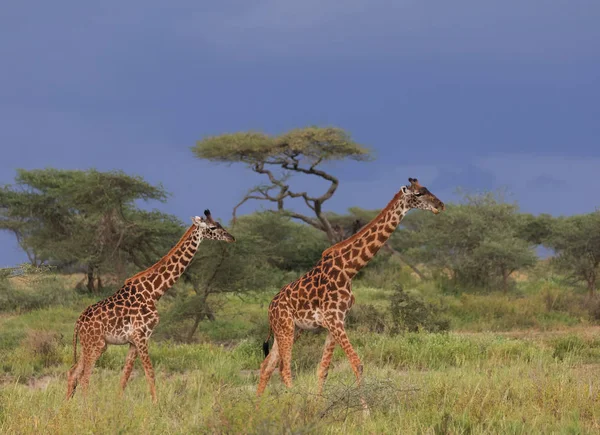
x=403, y=259
x=303, y=218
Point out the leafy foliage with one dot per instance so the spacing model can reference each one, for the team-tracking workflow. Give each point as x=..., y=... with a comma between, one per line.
x=476, y=242
x=86, y=218
x=412, y=314
x=576, y=241
x=311, y=143
x=268, y=245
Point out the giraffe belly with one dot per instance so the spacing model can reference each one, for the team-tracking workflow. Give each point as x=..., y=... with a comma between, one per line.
x=115, y=339
x=119, y=336
x=310, y=321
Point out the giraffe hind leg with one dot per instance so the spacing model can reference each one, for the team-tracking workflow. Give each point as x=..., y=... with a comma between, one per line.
x=74, y=374
x=297, y=333
x=128, y=368
x=268, y=367
x=286, y=341
x=325, y=361
x=91, y=352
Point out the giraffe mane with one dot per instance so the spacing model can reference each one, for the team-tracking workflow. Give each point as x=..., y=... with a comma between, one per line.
x=164, y=259
x=364, y=229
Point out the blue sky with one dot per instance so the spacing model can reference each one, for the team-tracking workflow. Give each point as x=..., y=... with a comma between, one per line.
x=464, y=93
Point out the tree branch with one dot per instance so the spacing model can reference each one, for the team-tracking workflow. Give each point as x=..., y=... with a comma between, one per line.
x=303, y=218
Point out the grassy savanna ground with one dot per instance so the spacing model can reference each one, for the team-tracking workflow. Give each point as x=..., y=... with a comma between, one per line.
x=535, y=370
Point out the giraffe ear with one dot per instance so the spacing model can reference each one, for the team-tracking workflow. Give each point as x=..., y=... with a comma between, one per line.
x=404, y=189
x=197, y=220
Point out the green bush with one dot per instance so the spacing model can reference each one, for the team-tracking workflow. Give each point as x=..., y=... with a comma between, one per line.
x=44, y=346
x=385, y=272
x=367, y=318
x=411, y=313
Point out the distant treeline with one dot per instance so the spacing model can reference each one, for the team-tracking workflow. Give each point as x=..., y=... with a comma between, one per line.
x=88, y=221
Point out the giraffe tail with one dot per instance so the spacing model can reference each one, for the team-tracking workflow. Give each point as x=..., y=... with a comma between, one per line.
x=75, y=334
x=266, y=344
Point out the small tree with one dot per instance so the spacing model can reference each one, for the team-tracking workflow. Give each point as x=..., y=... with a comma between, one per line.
x=298, y=152
x=505, y=255
x=576, y=241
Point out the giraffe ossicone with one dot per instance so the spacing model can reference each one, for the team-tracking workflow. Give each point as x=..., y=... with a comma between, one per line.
x=129, y=316
x=323, y=296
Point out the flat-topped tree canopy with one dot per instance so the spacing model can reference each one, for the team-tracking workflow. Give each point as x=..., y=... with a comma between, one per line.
x=299, y=151
x=311, y=144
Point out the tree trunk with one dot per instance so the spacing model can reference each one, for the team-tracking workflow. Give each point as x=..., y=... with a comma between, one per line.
x=204, y=311
x=591, y=285
x=197, y=319
x=505, y=275
x=90, y=278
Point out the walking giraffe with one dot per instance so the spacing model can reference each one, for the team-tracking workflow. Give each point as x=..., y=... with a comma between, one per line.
x=322, y=297
x=129, y=316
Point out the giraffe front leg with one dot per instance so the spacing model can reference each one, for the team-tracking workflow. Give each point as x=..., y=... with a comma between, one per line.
x=141, y=344
x=325, y=361
x=338, y=331
x=336, y=328
x=128, y=368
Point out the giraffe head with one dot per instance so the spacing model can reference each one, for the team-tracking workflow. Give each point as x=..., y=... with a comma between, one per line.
x=420, y=197
x=209, y=229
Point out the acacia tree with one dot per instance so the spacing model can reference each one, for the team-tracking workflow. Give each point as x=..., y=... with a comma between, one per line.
x=301, y=151
x=85, y=218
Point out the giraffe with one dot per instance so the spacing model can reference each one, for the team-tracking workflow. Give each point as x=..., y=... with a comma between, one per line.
x=322, y=297
x=129, y=316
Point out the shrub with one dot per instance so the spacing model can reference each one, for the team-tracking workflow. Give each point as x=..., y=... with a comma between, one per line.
x=410, y=313
x=44, y=346
x=367, y=318
x=385, y=272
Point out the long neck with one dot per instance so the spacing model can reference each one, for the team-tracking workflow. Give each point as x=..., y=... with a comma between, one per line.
x=354, y=253
x=161, y=276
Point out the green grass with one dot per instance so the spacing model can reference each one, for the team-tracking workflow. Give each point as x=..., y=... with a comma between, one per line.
x=428, y=383
x=526, y=362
